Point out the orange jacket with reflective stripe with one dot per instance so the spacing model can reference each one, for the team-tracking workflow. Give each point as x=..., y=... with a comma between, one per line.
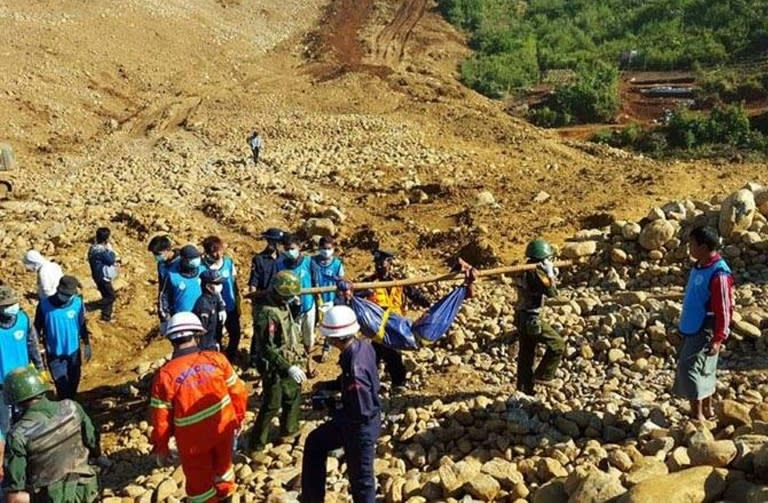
x=195, y=397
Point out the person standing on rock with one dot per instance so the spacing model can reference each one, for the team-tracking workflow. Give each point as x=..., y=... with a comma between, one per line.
x=327, y=270
x=161, y=248
x=704, y=322
x=534, y=286
x=104, y=266
x=60, y=321
x=394, y=299
x=256, y=144
x=281, y=357
x=181, y=287
x=18, y=346
x=263, y=270
x=355, y=424
x=48, y=273
x=48, y=448
x=197, y=398
x=215, y=260
x=300, y=265
x=211, y=310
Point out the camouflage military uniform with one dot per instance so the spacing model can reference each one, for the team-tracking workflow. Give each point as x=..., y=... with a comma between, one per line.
x=47, y=452
x=278, y=346
x=533, y=287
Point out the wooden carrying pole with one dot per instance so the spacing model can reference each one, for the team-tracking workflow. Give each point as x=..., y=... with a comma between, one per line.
x=452, y=276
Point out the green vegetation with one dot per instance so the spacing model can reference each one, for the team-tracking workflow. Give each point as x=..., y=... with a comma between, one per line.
x=723, y=131
x=516, y=42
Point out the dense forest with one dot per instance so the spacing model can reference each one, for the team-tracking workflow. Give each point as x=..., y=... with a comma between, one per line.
x=516, y=42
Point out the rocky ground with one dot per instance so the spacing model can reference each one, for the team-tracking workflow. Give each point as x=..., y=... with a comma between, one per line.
x=118, y=119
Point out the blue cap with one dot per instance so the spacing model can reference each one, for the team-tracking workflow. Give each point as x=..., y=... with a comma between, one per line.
x=211, y=276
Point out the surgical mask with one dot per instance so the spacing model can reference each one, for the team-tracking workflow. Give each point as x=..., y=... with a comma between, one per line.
x=194, y=262
x=159, y=258
x=218, y=288
x=292, y=254
x=64, y=298
x=326, y=253
x=11, y=310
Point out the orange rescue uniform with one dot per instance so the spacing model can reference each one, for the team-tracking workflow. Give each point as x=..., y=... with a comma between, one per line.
x=198, y=398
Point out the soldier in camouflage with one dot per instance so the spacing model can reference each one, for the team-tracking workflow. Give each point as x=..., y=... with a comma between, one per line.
x=279, y=356
x=49, y=446
x=533, y=287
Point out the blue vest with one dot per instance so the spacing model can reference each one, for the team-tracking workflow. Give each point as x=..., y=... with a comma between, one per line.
x=227, y=271
x=185, y=290
x=164, y=267
x=326, y=275
x=696, y=300
x=62, y=326
x=13, y=345
x=304, y=271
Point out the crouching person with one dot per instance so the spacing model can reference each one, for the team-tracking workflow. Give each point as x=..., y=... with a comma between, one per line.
x=198, y=398
x=48, y=448
x=356, y=420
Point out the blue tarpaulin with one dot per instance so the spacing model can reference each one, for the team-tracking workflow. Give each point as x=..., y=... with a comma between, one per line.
x=399, y=332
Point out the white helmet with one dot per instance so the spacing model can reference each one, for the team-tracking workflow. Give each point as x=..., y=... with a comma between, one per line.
x=183, y=324
x=339, y=322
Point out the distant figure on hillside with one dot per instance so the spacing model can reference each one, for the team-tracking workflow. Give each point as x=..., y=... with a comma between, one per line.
x=48, y=273
x=104, y=268
x=256, y=143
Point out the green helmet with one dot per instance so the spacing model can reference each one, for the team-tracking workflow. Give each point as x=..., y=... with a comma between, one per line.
x=286, y=284
x=22, y=384
x=539, y=249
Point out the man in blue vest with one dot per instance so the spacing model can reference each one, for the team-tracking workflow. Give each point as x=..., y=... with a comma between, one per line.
x=60, y=321
x=18, y=346
x=292, y=260
x=215, y=260
x=326, y=271
x=161, y=248
x=181, y=287
x=704, y=322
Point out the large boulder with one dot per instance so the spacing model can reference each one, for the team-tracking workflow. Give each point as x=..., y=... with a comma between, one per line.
x=737, y=212
x=597, y=487
x=656, y=233
x=731, y=412
x=320, y=227
x=701, y=484
x=577, y=249
x=718, y=453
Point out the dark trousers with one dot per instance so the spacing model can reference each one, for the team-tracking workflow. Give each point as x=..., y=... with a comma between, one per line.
x=65, y=371
x=279, y=393
x=359, y=443
x=255, y=152
x=107, y=298
x=393, y=363
x=233, y=331
x=532, y=332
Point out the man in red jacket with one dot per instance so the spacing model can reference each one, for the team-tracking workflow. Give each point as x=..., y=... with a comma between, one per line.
x=198, y=398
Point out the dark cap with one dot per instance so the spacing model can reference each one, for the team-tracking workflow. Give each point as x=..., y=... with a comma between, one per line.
x=273, y=234
x=211, y=276
x=189, y=252
x=68, y=285
x=381, y=255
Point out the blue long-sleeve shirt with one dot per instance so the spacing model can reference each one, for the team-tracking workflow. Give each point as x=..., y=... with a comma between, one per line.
x=359, y=383
x=99, y=257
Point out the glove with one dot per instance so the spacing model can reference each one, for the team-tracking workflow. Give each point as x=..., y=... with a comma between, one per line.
x=222, y=317
x=87, y=353
x=297, y=374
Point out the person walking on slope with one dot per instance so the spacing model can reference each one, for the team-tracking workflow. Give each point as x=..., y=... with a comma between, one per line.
x=48, y=448
x=394, y=299
x=197, y=398
x=211, y=310
x=215, y=260
x=48, y=273
x=263, y=270
x=256, y=144
x=292, y=260
x=533, y=287
x=704, y=322
x=18, y=347
x=355, y=423
x=281, y=357
x=181, y=287
x=60, y=321
x=103, y=262
x=326, y=271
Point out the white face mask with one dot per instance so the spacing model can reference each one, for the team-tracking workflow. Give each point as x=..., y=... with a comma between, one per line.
x=12, y=310
x=292, y=254
x=218, y=288
x=326, y=253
